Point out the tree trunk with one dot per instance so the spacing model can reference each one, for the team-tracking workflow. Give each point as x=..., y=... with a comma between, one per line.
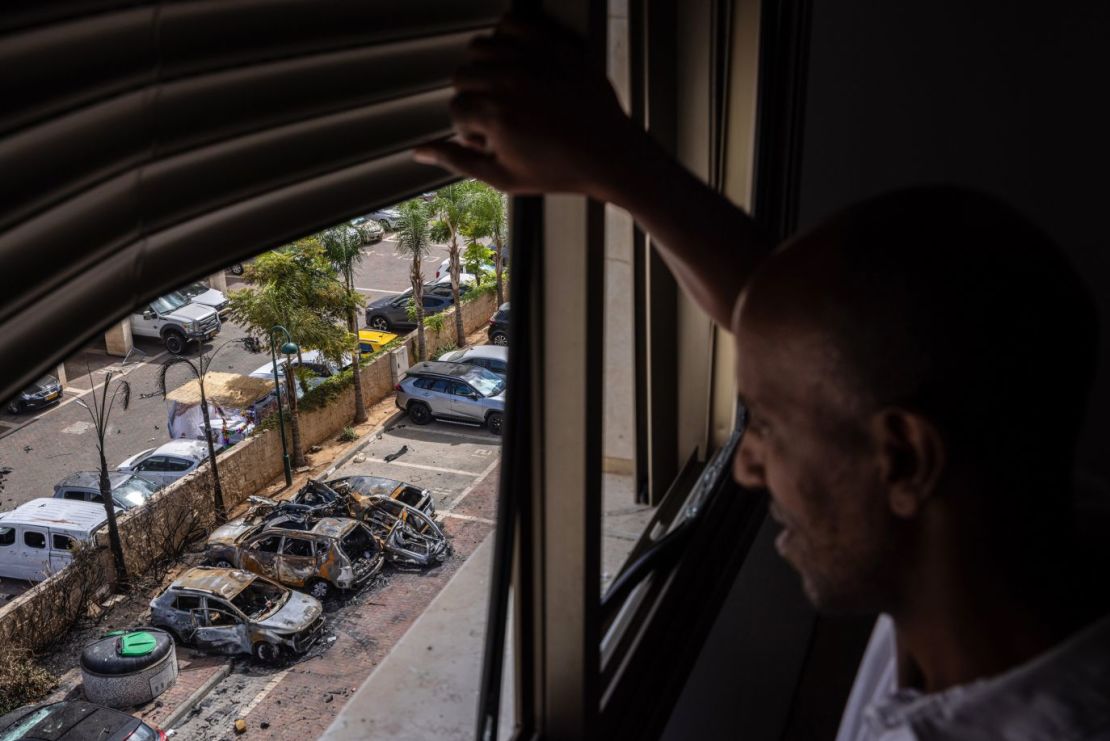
x=300, y=364
x=352, y=321
x=418, y=304
x=113, y=532
x=217, y=490
x=453, y=253
x=294, y=423
x=497, y=272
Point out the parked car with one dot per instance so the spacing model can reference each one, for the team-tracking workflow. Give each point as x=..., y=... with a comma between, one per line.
x=128, y=489
x=442, y=285
x=371, y=341
x=168, y=462
x=75, y=720
x=175, y=321
x=494, y=358
x=360, y=487
x=386, y=217
x=38, y=538
x=236, y=612
x=390, y=314
x=498, y=331
x=198, y=293
x=487, y=268
x=369, y=230
x=319, y=367
x=453, y=392
x=317, y=556
x=408, y=535
x=43, y=392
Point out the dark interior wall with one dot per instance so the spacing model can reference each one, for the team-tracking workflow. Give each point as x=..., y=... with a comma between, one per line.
x=1008, y=97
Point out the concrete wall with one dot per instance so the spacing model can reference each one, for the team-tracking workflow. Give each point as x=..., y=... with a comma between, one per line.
x=158, y=531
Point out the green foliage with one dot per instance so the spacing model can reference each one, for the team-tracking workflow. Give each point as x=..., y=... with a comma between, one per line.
x=327, y=392
x=475, y=257
x=348, y=435
x=22, y=680
x=410, y=311
x=488, y=288
x=297, y=287
x=435, y=322
x=440, y=231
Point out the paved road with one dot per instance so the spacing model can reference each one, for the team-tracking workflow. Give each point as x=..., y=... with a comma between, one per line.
x=43, y=447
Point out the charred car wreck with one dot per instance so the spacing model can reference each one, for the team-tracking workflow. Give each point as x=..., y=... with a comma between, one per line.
x=231, y=611
x=299, y=551
x=409, y=534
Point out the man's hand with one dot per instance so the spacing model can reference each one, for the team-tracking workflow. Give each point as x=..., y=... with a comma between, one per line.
x=533, y=116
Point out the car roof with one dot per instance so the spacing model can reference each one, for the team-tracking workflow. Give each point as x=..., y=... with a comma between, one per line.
x=333, y=527
x=56, y=513
x=494, y=352
x=184, y=448
x=267, y=371
x=71, y=720
x=225, y=583
x=437, y=368
x=91, y=479
x=375, y=484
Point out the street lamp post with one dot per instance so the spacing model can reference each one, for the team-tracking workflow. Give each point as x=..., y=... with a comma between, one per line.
x=288, y=349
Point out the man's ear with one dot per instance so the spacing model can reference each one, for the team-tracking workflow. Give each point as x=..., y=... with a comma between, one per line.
x=911, y=458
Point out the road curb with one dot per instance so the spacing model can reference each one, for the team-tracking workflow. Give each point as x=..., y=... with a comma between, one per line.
x=367, y=439
x=194, y=699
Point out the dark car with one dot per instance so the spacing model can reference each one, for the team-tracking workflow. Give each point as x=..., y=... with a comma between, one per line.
x=391, y=313
x=46, y=390
x=499, y=325
x=75, y=720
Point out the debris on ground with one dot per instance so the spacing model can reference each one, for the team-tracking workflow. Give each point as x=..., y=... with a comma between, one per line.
x=359, y=458
x=394, y=456
x=315, y=449
x=240, y=725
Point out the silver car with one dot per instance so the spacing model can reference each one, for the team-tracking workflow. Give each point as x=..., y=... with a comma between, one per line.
x=454, y=392
x=169, y=462
x=494, y=358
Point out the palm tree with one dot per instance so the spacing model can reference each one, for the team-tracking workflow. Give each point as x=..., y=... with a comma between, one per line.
x=487, y=220
x=343, y=247
x=414, y=240
x=451, y=205
x=100, y=410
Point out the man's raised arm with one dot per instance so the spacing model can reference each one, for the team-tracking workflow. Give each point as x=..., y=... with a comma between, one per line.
x=532, y=117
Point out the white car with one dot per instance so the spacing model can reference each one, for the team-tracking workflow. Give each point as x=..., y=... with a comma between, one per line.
x=494, y=358
x=176, y=321
x=168, y=462
x=312, y=360
x=369, y=230
x=198, y=293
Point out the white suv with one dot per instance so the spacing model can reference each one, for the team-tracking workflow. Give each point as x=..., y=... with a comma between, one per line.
x=175, y=321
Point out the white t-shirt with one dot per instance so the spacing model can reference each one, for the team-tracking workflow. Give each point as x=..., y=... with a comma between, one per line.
x=1061, y=695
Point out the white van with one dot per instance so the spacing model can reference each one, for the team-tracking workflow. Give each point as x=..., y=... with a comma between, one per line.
x=37, y=539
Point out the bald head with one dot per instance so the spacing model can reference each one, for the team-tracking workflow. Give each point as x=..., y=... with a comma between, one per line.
x=949, y=303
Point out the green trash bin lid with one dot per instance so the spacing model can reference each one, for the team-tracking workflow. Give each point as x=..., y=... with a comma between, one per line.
x=139, y=643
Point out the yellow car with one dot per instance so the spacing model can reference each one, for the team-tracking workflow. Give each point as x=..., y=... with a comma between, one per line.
x=371, y=340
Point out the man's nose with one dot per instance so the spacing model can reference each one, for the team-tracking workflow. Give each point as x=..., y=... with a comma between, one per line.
x=747, y=466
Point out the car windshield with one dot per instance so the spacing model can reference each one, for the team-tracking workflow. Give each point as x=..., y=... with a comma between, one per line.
x=169, y=303
x=359, y=543
x=260, y=599
x=485, y=382
x=134, y=491
x=193, y=290
x=20, y=729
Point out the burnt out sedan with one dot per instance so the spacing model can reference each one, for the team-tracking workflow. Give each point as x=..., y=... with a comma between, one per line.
x=232, y=611
x=408, y=535
x=361, y=487
x=316, y=555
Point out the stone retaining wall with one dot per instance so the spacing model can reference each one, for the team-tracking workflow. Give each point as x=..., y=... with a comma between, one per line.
x=158, y=531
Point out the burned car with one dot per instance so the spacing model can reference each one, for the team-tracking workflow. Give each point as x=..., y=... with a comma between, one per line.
x=408, y=535
x=359, y=488
x=316, y=555
x=232, y=611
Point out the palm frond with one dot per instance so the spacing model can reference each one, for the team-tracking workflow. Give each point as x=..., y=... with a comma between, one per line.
x=166, y=367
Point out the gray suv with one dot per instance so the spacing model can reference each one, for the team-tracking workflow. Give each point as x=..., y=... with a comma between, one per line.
x=453, y=392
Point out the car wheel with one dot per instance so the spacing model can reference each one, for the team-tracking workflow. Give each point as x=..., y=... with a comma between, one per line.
x=419, y=413
x=15, y=407
x=267, y=652
x=494, y=422
x=175, y=342
x=236, y=269
x=500, y=338
x=379, y=323
x=319, y=589
x=223, y=563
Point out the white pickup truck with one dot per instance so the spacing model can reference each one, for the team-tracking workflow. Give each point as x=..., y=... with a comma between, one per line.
x=175, y=321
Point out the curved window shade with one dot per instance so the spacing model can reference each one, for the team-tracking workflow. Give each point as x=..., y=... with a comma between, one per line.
x=146, y=144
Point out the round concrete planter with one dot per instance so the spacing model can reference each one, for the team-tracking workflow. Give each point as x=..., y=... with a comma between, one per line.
x=118, y=676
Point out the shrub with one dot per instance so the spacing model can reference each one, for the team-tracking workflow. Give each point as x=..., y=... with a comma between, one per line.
x=435, y=322
x=327, y=391
x=348, y=435
x=22, y=680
